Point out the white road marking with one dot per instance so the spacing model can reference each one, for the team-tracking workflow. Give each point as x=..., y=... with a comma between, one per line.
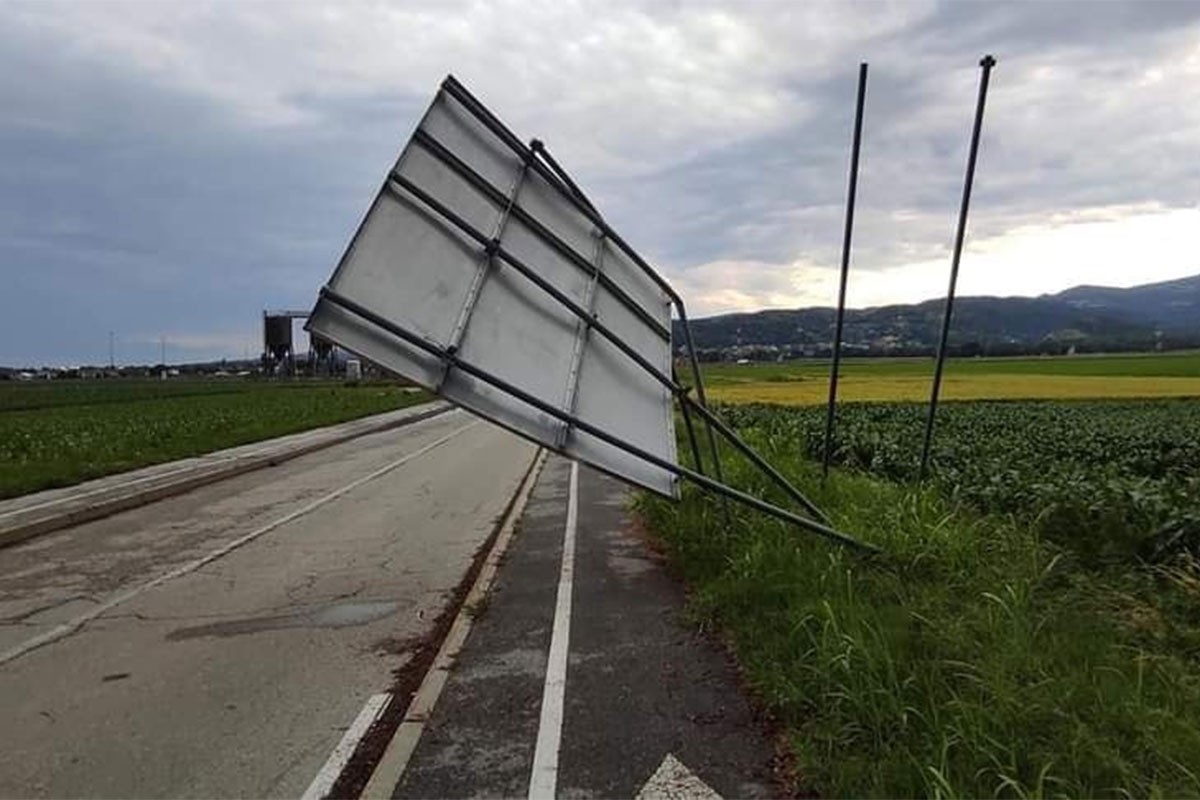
x=327, y=777
x=543, y=779
x=673, y=781
x=70, y=627
x=404, y=741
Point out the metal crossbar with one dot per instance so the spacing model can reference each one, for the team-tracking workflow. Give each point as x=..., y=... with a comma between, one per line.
x=589, y=320
x=496, y=249
x=551, y=173
x=577, y=259
x=486, y=263
x=581, y=337
x=501, y=131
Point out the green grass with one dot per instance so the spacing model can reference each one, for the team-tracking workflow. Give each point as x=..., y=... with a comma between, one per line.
x=973, y=658
x=31, y=395
x=64, y=432
x=1178, y=364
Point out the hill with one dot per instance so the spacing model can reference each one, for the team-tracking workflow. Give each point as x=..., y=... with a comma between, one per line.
x=1086, y=318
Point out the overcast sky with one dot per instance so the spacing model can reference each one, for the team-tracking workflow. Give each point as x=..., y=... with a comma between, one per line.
x=170, y=169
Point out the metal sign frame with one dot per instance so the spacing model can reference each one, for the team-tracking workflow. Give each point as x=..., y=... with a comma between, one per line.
x=536, y=158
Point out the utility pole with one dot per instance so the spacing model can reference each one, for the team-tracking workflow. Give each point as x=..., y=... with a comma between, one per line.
x=112, y=351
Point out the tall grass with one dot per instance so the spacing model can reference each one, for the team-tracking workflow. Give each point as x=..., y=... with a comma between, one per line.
x=970, y=659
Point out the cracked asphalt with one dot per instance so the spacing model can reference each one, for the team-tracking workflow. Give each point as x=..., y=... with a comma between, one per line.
x=237, y=678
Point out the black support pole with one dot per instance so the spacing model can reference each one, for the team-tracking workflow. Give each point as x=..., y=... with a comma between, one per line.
x=851, y=194
x=731, y=436
x=986, y=65
x=698, y=380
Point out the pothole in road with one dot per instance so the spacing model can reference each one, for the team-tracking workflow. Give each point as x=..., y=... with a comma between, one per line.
x=337, y=615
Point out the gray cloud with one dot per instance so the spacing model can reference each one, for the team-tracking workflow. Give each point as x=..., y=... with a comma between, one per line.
x=1070, y=126
x=174, y=168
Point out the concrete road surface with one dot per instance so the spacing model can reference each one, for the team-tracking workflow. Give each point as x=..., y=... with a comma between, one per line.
x=219, y=643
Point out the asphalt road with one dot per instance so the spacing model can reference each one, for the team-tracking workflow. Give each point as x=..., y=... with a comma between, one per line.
x=583, y=676
x=219, y=643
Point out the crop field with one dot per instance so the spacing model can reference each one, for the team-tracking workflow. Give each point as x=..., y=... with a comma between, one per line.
x=61, y=432
x=1032, y=627
x=806, y=382
x=1105, y=478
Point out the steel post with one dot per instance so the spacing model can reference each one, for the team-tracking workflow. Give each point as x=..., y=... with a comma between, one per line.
x=985, y=65
x=851, y=195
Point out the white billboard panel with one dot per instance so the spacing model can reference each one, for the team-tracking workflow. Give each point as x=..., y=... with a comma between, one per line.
x=441, y=284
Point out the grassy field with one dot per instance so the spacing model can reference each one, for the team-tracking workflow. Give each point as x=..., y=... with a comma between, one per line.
x=1016, y=638
x=806, y=382
x=62, y=432
x=41, y=395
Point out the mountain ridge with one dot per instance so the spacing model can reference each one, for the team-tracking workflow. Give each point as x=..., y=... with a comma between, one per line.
x=1160, y=315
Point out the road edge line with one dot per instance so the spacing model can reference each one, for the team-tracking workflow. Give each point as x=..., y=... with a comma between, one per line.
x=236, y=467
x=543, y=774
x=322, y=784
x=390, y=768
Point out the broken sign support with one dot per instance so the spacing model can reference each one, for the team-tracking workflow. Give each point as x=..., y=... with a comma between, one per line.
x=717, y=487
x=589, y=320
x=413, y=346
x=691, y=431
x=698, y=380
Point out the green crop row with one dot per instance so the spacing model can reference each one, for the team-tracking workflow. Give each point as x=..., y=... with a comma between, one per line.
x=1112, y=479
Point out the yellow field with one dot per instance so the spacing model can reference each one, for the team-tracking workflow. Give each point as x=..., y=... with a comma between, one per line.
x=815, y=391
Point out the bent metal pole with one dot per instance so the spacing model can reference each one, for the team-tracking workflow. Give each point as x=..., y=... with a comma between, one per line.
x=986, y=65
x=851, y=193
